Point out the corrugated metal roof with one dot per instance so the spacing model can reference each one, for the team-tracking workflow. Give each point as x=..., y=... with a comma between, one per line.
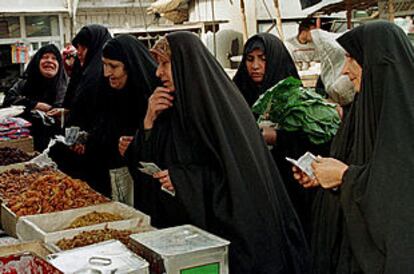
x=332, y=6
x=33, y=6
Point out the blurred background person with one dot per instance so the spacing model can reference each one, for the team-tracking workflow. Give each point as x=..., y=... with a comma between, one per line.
x=42, y=88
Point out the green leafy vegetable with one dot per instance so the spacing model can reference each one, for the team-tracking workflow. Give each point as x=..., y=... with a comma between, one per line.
x=296, y=108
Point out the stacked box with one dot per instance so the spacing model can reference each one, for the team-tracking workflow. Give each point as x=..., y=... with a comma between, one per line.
x=182, y=250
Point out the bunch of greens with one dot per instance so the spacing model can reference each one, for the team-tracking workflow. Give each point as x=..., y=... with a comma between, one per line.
x=296, y=108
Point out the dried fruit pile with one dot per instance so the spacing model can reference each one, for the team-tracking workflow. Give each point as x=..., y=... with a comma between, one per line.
x=54, y=192
x=95, y=236
x=16, y=181
x=9, y=155
x=94, y=218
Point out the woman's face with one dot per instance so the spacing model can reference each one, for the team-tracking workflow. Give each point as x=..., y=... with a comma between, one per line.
x=48, y=65
x=115, y=71
x=256, y=65
x=354, y=71
x=82, y=51
x=164, y=72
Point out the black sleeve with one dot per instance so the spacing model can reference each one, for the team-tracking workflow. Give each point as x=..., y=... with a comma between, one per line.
x=140, y=146
x=15, y=96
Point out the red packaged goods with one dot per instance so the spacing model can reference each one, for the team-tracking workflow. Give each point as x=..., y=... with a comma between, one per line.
x=26, y=263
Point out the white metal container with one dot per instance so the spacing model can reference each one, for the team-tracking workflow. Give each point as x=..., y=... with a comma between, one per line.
x=106, y=257
x=182, y=250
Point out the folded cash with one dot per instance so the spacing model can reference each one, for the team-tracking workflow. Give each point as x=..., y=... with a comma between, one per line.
x=304, y=163
x=71, y=134
x=149, y=168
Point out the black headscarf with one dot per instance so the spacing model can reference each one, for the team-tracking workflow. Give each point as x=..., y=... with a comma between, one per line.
x=377, y=191
x=246, y=202
x=37, y=88
x=82, y=96
x=123, y=110
x=279, y=65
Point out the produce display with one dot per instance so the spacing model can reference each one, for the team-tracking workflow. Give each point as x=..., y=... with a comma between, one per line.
x=54, y=192
x=9, y=155
x=26, y=263
x=95, y=236
x=296, y=108
x=16, y=181
x=94, y=218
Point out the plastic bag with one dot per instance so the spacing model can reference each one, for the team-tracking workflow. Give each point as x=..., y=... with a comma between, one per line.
x=122, y=186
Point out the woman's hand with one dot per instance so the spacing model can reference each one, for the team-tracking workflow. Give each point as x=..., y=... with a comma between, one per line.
x=165, y=180
x=43, y=107
x=329, y=171
x=57, y=112
x=159, y=101
x=304, y=179
x=78, y=149
x=123, y=144
x=269, y=134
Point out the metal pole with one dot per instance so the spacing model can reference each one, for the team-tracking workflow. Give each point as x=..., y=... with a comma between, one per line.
x=145, y=23
x=279, y=20
x=391, y=10
x=348, y=14
x=213, y=14
x=244, y=20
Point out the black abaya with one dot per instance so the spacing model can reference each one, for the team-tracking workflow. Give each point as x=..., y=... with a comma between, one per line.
x=279, y=65
x=225, y=179
x=375, y=200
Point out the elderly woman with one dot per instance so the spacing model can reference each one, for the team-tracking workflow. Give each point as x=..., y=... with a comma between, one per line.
x=199, y=130
x=43, y=87
x=369, y=179
x=129, y=79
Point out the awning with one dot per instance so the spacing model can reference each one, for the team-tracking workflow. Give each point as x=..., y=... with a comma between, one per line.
x=33, y=6
x=333, y=6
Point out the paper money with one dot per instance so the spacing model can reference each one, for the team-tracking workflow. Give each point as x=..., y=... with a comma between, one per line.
x=149, y=168
x=304, y=163
x=71, y=134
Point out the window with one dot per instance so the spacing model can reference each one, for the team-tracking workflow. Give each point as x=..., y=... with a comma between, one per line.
x=9, y=27
x=42, y=26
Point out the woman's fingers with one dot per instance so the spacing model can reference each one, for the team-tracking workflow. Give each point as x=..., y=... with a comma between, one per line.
x=165, y=180
x=160, y=174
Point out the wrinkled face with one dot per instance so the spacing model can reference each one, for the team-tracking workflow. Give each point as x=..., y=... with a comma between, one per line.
x=115, y=71
x=48, y=65
x=354, y=71
x=164, y=72
x=256, y=65
x=82, y=51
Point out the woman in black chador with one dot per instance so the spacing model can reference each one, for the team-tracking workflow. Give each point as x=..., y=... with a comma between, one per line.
x=366, y=225
x=81, y=106
x=265, y=62
x=43, y=87
x=82, y=97
x=199, y=130
x=129, y=72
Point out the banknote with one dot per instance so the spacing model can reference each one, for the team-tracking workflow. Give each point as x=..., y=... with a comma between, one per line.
x=304, y=163
x=149, y=168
